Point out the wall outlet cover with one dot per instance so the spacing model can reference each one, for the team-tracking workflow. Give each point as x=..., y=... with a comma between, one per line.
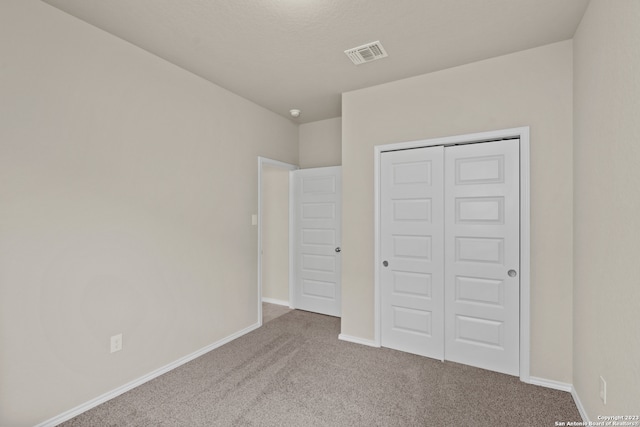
x=116, y=343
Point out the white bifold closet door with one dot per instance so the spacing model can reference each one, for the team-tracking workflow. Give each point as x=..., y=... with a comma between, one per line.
x=450, y=226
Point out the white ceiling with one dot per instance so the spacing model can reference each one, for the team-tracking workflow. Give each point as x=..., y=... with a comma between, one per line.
x=285, y=54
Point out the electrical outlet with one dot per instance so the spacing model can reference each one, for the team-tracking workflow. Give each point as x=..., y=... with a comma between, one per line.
x=603, y=390
x=116, y=343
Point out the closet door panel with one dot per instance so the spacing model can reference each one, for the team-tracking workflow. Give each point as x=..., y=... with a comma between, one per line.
x=412, y=231
x=482, y=247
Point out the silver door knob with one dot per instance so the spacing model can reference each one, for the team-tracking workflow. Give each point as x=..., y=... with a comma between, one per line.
x=512, y=273
x=338, y=249
x=385, y=263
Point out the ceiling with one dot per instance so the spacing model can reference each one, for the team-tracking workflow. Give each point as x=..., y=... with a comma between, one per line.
x=284, y=54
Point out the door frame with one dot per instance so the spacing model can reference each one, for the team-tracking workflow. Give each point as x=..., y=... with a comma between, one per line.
x=522, y=133
x=262, y=162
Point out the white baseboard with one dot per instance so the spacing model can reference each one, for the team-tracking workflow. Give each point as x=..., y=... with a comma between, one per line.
x=556, y=385
x=276, y=301
x=143, y=379
x=583, y=412
x=357, y=340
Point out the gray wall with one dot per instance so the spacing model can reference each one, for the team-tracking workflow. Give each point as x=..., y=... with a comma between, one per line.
x=321, y=143
x=127, y=186
x=275, y=233
x=606, y=206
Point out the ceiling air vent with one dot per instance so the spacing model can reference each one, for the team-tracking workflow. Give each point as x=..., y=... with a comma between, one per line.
x=366, y=53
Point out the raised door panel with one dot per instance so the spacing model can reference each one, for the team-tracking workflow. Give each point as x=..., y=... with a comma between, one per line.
x=317, y=221
x=482, y=245
x=411, y=184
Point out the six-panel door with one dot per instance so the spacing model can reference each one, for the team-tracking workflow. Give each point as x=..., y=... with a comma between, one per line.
x=450, y=235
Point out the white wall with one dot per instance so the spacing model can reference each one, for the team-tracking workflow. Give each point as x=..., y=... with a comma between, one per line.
x=320, y=143
x=275, y=233
x=533, y=88
x=127, y=187
x=606, y=206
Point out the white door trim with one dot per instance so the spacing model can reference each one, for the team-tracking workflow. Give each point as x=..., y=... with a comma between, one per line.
x=264, y=161
x=525, y=218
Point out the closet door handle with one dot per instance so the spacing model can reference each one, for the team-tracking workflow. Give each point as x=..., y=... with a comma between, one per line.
x=512, y=273
x=385, y=263
x=338, y=249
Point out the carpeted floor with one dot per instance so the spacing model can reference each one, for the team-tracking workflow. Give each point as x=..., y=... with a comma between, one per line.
x=271, y=311
x=295, y=372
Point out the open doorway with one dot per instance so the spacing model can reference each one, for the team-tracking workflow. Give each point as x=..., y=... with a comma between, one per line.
x=274, y=237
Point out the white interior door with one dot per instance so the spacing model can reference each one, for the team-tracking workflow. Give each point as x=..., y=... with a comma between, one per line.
x=449, y=233
x=482, y=244
x=412, y=232
x=318, y=210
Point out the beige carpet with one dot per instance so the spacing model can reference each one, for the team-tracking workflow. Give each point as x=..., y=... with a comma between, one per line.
x=272, y=311
x=295, y=372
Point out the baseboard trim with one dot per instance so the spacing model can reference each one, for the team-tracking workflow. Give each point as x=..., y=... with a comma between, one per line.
x=276, y=301
x=356, y=340
x=65, y=416
x=583, y=412
x=556, y=385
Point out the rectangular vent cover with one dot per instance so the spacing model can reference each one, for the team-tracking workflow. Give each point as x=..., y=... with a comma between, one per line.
x=366, y=53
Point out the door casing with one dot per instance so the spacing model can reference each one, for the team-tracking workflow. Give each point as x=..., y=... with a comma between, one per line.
x=522, y=133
